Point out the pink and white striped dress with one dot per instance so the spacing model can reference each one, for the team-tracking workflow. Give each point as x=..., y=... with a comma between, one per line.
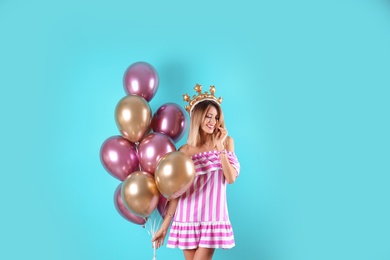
x=201, y=218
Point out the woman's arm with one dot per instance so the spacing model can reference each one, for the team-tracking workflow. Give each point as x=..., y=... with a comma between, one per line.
x=225, y=143
x=159, y=237
x=228, y=170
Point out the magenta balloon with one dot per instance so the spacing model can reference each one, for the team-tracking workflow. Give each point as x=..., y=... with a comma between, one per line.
x=162, y=206
x=170, y=119
x=141, y=79
x=152, y=148
x=123, y=211
x=119, y=157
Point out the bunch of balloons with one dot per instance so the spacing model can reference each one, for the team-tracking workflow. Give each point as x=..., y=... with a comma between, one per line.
x=144, y=156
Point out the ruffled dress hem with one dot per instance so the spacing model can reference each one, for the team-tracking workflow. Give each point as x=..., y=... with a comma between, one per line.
x=191, y=235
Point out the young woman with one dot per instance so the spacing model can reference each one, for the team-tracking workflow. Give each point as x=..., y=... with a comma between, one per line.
x=200, y=216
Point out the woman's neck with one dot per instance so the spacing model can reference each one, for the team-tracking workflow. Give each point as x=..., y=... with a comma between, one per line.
x=205, y=138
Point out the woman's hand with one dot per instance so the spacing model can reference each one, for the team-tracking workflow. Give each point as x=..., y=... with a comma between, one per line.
x=159, y=237
x=220, y=138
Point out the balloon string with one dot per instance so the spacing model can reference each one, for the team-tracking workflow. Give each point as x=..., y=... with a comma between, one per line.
x=152, y=226
x=154, y=253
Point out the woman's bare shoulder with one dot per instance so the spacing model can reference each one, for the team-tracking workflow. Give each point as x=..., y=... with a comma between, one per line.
x=184, y=149
x=229, y=143
x=229, y=139
x=188, y=150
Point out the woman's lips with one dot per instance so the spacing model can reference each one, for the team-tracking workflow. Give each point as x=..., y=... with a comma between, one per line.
x=211, y=127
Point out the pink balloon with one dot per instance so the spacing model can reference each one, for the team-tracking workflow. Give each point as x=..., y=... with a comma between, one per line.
x=123, y=211
x=152, y=148
x=141, y=79
x=170, y=119
x=119, y=157
x=162, y=206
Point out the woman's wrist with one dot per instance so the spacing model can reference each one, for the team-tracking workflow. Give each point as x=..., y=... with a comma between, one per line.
x=165, y=226
x=223, y=151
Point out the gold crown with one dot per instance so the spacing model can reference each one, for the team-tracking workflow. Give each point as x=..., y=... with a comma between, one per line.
x=200, y=97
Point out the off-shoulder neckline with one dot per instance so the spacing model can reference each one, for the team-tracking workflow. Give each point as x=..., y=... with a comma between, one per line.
x=209, y=152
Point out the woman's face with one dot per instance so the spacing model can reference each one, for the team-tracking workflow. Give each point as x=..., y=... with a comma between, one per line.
x=210, y=121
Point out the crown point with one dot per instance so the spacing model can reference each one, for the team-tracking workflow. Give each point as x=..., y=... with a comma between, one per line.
x=198, y=88
x=212, y=90
x=186, y=97
x=219, y=100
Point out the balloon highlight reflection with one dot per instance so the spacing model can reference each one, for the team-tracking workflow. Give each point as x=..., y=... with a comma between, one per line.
x=140, y=193
x=174, y=174
x=133, y=117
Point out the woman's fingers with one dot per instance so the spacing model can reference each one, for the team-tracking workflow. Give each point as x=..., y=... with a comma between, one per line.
x=157, y=244
x=222, y=134
x=223, y=131
x=157, y=241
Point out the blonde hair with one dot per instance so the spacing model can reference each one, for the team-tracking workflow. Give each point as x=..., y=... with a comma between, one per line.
x=198, y=114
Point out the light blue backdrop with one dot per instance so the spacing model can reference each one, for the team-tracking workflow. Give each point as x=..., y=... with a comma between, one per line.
x=306, y=97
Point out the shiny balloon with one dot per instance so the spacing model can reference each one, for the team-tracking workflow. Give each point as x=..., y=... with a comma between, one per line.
x=140, y=193
x=141, y=79
x=170, y=119
x=123, y=211
x=174, y=174
x=152, y=148
x=133, y=117
x=119, y=157
x=162, y=206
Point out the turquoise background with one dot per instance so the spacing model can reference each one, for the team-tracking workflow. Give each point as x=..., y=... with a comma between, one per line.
x=306, y=98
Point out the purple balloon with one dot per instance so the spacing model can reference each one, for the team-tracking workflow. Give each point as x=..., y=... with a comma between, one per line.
x=162, y=206
x=141, y=79
x=123, y=211
x=170, y=119
x=152, y=148
x=119, y=157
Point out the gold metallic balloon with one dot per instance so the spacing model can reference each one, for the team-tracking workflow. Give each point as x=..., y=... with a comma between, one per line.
x=175, y=173
x=133, y=117
x=140, y=193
